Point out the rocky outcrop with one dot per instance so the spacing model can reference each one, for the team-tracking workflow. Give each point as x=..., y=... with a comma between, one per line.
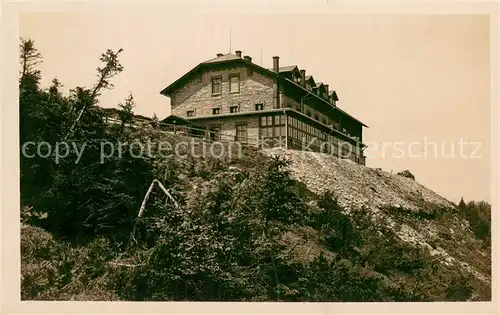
x=407, y=174
x=357, y=185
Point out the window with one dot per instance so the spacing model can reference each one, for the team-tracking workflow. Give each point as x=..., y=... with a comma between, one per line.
x=308, y=113
x=190, y=113
x=215, y=111
x=272, y=126
x=216, y=85
x=215, y=132
x=234, y=109
x=281, y=119
x=316, y=117
x=277, y=131
x=263, y=121
x=269, y=120
x=234, y=83
x=241, y=132
x=259, y=106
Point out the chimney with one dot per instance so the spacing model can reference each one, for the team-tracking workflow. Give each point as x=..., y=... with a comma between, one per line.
x=276, y=64
x=220, y=55
x=303, y=78
x=238, y=53
x=276, y=68
x=248, y=58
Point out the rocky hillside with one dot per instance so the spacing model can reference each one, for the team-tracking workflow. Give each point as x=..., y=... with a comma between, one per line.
x=357, y=185
x=418, y=215
x=298, y=226
x=263, y=226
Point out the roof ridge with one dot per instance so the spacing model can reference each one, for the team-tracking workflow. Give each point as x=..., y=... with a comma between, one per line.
x=228, y=56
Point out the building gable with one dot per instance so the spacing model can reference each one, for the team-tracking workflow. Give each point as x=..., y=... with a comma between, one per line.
x=187, y=85
x=196, y=94
x=221, y=61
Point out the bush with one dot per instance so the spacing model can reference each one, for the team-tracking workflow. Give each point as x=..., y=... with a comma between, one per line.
x=407, y=174
x=224, y=240
x=459, y=289
x=478, y=214
x=52, y=270
x=336, y=228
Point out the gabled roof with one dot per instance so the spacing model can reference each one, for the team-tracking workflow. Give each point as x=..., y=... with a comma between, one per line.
x=320, y=85
x=325, y=101
x=309, y=78
x=225, y=57
x=234, y=58
x=288, y=68
x=222, y=59
x=176, y=120
x=333, y=94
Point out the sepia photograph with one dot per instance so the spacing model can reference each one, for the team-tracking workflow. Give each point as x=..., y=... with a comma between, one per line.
x=245, y=157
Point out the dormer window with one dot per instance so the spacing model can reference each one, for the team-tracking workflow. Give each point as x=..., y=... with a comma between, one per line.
x=215, y=111
x=190, y=113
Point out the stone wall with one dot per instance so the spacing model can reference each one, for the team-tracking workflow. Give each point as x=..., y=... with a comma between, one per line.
x=197, y=94
x=228, y=126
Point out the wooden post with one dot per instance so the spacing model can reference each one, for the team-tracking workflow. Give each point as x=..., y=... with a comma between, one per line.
x=286, y=130
x=143, y=206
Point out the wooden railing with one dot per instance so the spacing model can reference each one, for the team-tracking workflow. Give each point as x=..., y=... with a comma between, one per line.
x=216, y=136
x=200, y=133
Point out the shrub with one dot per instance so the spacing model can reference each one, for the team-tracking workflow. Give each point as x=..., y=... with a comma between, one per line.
x=52, y=270
x=407, y=174
x=336, y=228
x=459, y=289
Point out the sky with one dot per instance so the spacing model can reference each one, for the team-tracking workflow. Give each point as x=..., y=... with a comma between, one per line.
x=417, y=81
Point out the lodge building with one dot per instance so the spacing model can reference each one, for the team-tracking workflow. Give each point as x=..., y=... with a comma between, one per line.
x=233, y=98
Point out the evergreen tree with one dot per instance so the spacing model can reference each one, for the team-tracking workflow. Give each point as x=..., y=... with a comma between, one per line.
x=30, y=58
x=126, y=113
x=461, y=205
